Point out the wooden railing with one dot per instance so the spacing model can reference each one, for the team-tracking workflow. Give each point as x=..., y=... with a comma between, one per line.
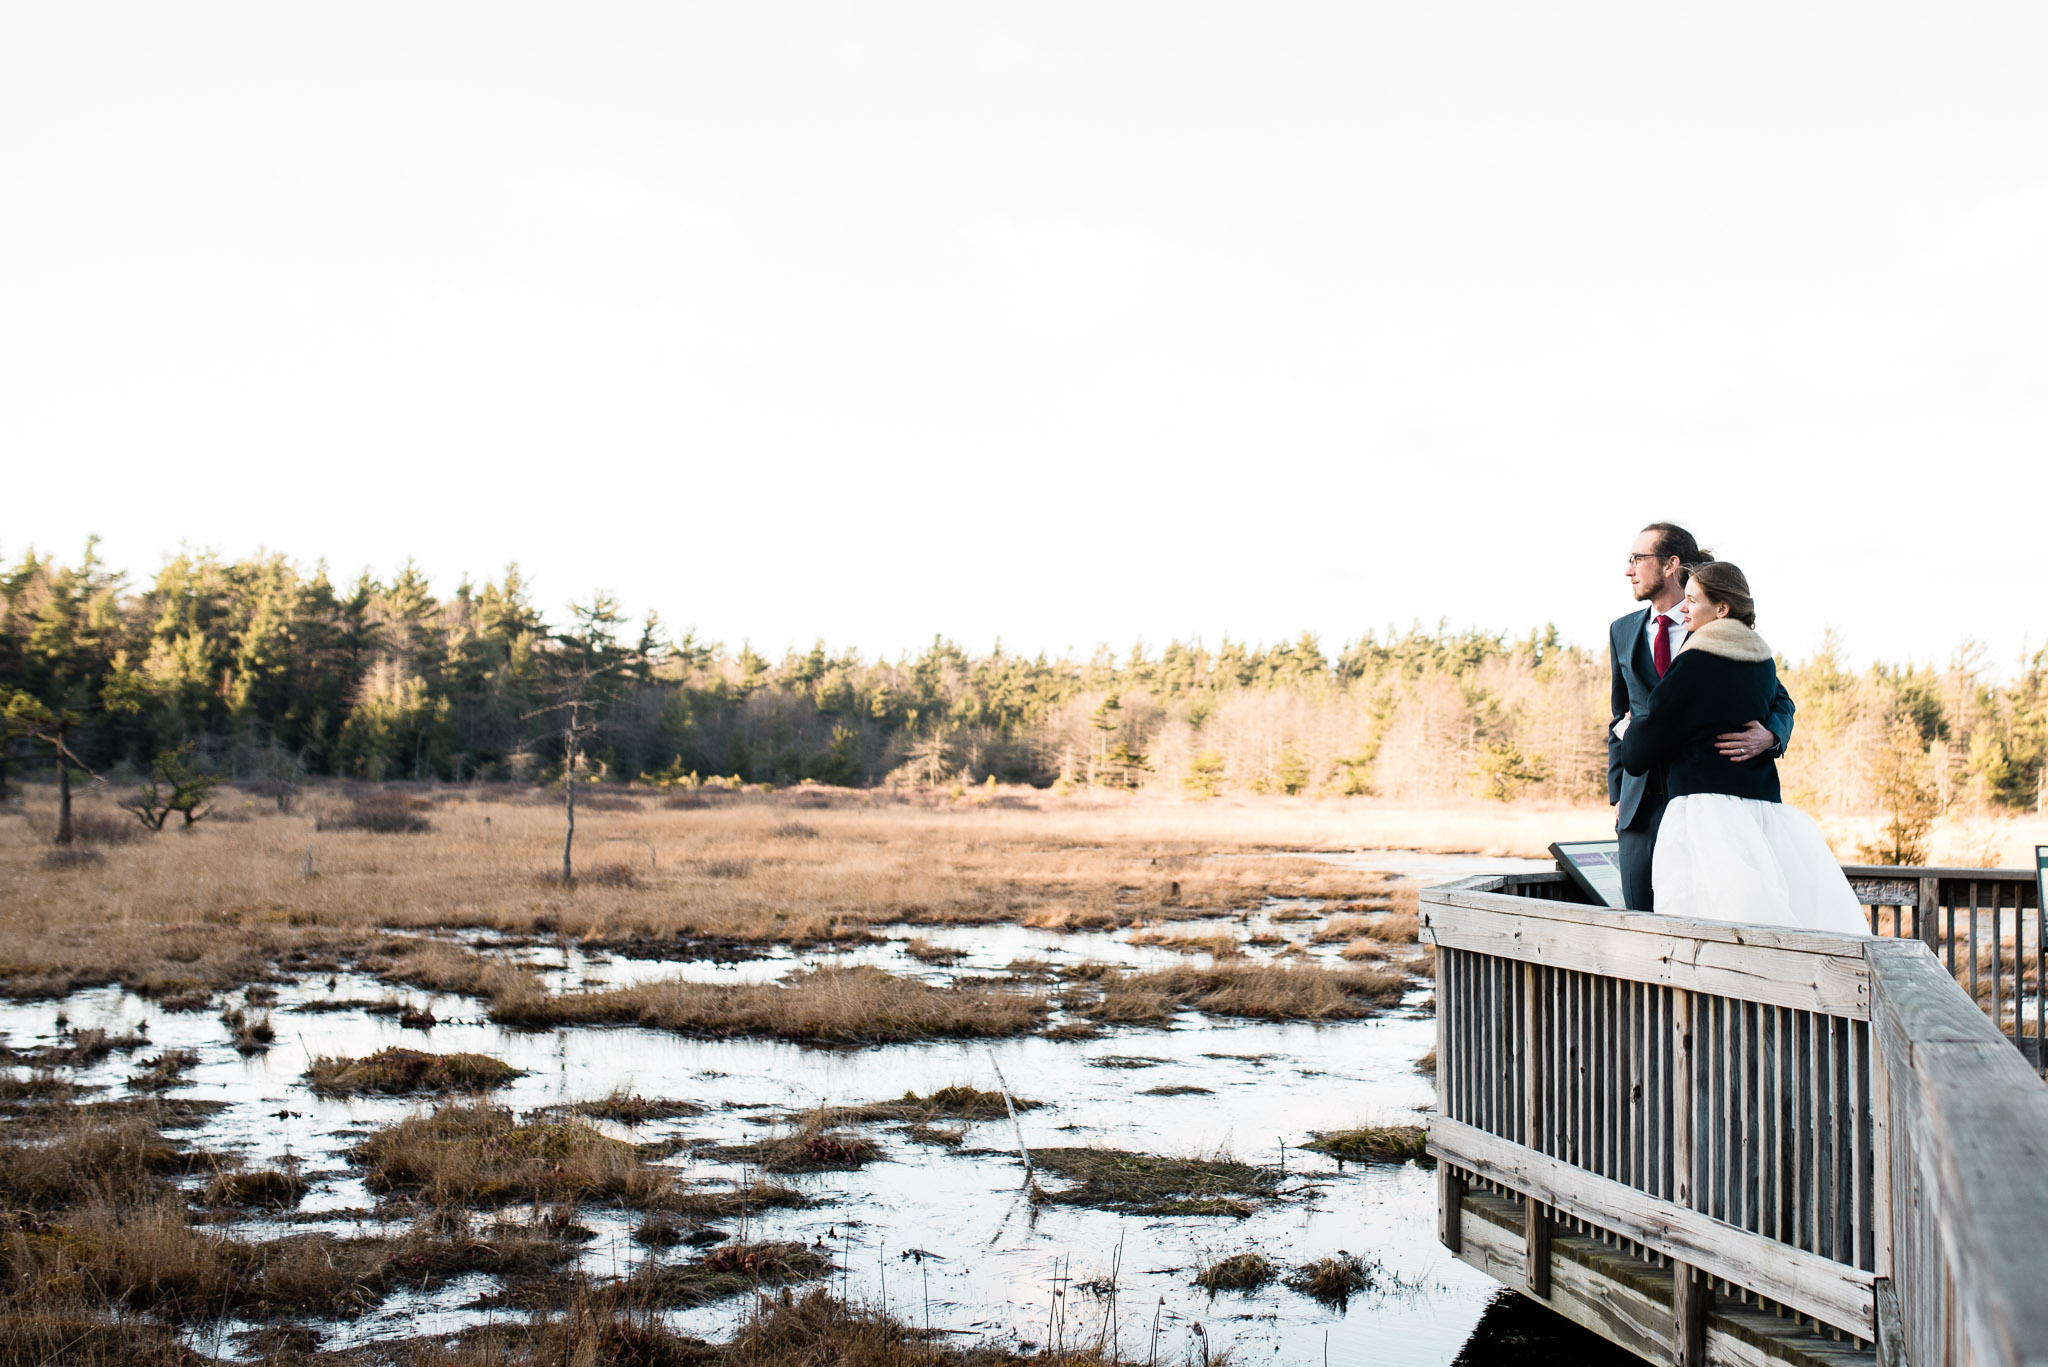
x=1978, y=923
x=1800, y=1125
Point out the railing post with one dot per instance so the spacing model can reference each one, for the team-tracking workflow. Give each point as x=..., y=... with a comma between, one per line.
x=1535, y=1224
x=1927, y=914
x=1689, y=1291
x=1450, y=1188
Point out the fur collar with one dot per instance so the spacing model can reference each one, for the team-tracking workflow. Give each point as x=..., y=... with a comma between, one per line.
x=1727, y=637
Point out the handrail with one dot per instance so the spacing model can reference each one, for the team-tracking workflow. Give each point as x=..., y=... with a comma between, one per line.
x=1733, y=1101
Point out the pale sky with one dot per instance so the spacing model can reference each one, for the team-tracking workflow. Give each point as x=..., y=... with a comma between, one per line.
x=1059, y=323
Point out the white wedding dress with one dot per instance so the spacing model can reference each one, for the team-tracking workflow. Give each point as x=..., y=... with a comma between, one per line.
x=1722, y=858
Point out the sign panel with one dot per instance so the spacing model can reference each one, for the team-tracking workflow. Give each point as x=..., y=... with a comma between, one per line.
x=2041, y=876
x=1595, y=865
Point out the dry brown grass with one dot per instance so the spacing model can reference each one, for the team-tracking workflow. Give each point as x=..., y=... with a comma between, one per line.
x=149, y=1256
x=823, y=1006
x=813, y=1144
x=203, y=912
x=815, y=1329
x=405, y=1072
x=1290, y=991
x=1151, y=1184
x=60, y=1156
x=1341, y=928
x=629, y=1108
x=1372, y=1143
x=1221, y=944
x=481, y=1155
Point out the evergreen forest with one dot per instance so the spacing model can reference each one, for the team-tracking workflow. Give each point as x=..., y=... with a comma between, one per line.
x=258, y=669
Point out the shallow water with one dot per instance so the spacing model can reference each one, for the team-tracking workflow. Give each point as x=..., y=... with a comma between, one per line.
x=992, y=1267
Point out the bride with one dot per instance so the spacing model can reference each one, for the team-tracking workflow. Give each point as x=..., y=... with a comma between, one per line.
x=1729, y=849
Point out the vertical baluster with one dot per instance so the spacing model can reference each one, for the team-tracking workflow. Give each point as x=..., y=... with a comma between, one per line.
x=1769, y=1099
x=1852, y=1148
x=1747, y=1185
x=1553, y=1061
x=1447, y=1033
x=1793, y=1144
x=1609, y=1109
x=1997, y=929
x=1489, y=970
x=1973, y=942
x=1689, y=1292
x=1823, y=1135
x=1654, y=1145
x=1660, y=1179
x=1468, y=1016
x=1633, y=1085
x=1716, y=1045
x=2041, y=988
x=1518, y=1048
x=1582, y=1076
x=1535, y=1225
x=1571, y=1070
x=1860, y=1139
x=1802, y=1099
x=1879, y=1260
x=1744, y=1212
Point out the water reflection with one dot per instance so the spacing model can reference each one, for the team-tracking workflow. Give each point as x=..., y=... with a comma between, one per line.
x=1515, y=1331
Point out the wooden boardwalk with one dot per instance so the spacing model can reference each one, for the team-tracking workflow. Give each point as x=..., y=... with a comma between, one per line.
x=1744, y=1145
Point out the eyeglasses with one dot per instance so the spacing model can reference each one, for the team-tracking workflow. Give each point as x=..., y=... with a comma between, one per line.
x=1634, y=556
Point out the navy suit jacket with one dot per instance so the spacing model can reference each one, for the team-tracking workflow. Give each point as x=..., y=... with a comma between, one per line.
x=1634, y=675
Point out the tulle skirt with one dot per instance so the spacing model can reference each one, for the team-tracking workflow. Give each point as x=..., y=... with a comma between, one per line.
x=1721, y=858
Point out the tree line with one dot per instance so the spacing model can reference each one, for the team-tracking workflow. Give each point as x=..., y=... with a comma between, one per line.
x=259, y=668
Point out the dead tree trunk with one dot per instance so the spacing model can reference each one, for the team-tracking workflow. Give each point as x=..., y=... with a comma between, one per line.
x=569, y=795
x=63, y=796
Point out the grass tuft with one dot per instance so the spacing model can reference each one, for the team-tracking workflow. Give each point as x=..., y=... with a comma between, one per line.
x=1149, y=1184
x=262, y=1187
x=725, y=1271
x=1239, y=1272
x=822, y=1006
x=1373, y=1143
x=406, y=1072
x=1336, y=1279
x=629, y=1108
x=479, y=1155
x=1261, y=991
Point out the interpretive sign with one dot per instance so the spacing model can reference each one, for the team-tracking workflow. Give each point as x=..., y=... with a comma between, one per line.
x=1595, y=865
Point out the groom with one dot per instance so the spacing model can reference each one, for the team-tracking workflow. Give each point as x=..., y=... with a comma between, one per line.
x=1642, y=646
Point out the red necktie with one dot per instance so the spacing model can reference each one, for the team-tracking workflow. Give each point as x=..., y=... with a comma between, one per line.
x=1660, y=649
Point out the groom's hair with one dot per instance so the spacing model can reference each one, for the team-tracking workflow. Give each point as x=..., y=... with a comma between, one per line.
x=1673, y=539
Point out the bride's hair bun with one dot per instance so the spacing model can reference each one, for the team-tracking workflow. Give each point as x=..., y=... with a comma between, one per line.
x=1723, y=583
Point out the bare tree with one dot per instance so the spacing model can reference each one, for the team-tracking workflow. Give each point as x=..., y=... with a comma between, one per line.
x=22, y=714
x=590, y=656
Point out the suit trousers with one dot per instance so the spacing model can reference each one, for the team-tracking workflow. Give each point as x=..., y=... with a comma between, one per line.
x=1638, y=844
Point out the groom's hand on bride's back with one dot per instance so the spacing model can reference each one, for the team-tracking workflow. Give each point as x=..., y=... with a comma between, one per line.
x=1752, y=740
